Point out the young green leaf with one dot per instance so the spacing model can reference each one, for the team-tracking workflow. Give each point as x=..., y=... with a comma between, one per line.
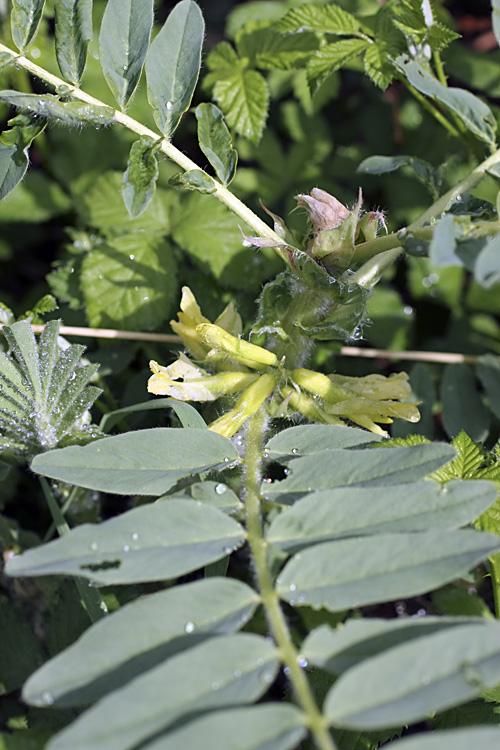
x=361, y=571
x=139, y=180
x=332, y=57
x=243, y=96
x=474, y=113
x=215, y=141
x=163, y=540
x=73, y=32
x=25, y=18
x=195, y=179
x=146, y=462
x=233, y=670
x=421, y=677
x=123, y=45
x=173, y=65
x=330, y=20
x=14, y=144
x=139, y=636
x=51, y=107
x=265, y=727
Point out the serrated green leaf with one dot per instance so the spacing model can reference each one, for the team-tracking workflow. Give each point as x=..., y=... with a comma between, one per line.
x=331, y=19
x=463, y=408
x=264, y=47
x=215, y=141
x=139, y=180
x=488, y=372
x=123, y=45
x=345, y=468
x=138, y=636
x=163, y=540
x=331, y=57
x=487, y=267
x=102, y=207
x=359, y=639
x=266, y=727
x=361, y=571
x=358, y=511
x=230, y=671
x=210, y=234
x=420, y=677
x=73, y=32
x=243, y=96
x=474, y=113
x=146, y=462
x=479, y=738
x=195, y=179
x=25, y=18
x=129, y=282
x=173, y=65
x=467, y=462
x=51, y=107
x=314, y=438
x=377, y=65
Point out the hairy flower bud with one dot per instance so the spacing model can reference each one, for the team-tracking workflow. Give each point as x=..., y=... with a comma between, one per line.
x=324, y=211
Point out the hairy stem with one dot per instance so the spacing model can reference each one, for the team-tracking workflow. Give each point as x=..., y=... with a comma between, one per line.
x=221, y=192
x=316, y=722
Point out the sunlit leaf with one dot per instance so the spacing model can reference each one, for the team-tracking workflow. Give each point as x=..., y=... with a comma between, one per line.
x=243, y=96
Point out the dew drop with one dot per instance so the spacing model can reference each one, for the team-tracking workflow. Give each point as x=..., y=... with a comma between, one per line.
x=292, y=587
x=169, y=106
x=295, y=451
x=215, y=686
x=126, y=548
x=286, y=671
x=302, y=661
x=444, y=489
x=135, y=536
x=131, y=256
x=220, y=489
x=189, y=627
x=94, y=546
x=47, y=698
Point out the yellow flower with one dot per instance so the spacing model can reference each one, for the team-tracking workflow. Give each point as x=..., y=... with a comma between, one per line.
x=249, y=402
x=185, y=382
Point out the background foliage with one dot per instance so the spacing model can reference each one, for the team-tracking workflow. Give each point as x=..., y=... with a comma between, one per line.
x=302, y=111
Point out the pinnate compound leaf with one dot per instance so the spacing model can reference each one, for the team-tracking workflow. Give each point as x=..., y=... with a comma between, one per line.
x=463, y=408
x=373, y=468
x=129, y=282
x=139, y=636
x=151, y=543
x=215, y=141
x=351, y=511
x=173, y=65
x=51, y=107
x=73, y=32
x=361, y=571
x=465, y=738
x=243, y=96
x=25, y=18
x=474, y=113
x=123, y=45
x=229, y=671
x=146, y=462
x=330, y=19
x=14, y=144
x=45, y=395
x=265, y=727
x=195, y=179
x=314, y=438
x=359, y=639
x=427, y=675
x=139, y=180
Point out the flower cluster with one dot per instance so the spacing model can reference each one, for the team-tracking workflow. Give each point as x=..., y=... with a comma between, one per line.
x=224, y=364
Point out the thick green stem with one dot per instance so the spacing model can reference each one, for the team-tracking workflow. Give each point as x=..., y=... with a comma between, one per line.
x=316, y=722
x=95, y=606
x=221, y=192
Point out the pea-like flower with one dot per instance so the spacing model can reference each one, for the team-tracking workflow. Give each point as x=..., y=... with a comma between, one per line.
x=226, y=365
